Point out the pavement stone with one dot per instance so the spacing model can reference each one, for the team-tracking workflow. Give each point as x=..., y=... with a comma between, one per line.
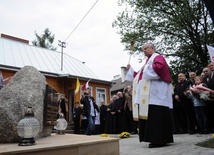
x=184, y=144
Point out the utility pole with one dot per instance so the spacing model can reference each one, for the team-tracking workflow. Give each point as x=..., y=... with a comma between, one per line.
x=62, y=44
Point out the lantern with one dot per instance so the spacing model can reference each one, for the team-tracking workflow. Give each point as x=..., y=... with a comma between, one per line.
x=61, y=124
x=28, y=128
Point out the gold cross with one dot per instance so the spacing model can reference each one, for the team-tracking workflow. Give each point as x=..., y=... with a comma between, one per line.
x=144, y=88
x=144, y=101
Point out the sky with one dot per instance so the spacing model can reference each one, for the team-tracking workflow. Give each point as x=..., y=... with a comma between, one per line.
x=94, y=41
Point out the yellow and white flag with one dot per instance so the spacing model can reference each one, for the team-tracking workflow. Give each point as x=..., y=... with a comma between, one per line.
x=77, y=86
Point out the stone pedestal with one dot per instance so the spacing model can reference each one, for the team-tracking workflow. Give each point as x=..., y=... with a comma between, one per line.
x=66, y=145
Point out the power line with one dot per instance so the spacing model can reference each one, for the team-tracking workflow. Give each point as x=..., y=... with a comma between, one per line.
x=82, y=20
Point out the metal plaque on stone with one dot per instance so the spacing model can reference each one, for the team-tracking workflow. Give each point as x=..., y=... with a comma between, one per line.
x=50, y=106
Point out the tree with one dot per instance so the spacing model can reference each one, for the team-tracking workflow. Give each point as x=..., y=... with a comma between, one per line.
x=210, y=6
x=179, y=28
x=45, y=40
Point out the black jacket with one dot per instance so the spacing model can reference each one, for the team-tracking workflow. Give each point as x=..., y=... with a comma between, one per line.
x=87, y=107
x=77, y=113
x=179, y=90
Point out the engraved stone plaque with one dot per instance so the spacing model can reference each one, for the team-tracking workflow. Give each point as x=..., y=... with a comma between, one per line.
x=50, y=106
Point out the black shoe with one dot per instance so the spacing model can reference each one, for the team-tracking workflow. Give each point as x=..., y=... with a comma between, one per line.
x=192, y=132
x=156, y=145
x=133, y=133
x=175, y=132
x=205, y=132
x=182, y=132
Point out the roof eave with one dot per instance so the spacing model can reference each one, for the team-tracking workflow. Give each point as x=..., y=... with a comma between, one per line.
x=12, y=68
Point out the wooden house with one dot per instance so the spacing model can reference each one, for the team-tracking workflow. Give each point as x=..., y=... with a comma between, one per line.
x=16, y=53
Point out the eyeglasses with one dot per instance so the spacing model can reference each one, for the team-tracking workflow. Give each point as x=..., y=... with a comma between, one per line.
x=205, y=71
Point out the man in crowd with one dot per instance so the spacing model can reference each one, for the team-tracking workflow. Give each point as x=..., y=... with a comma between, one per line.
x=130, y=124
x=77, y=113
x=89, y=107
x=103, y=114
x=209, y=81
x=186, y=115
x=63, y=105
x=120, y=112
x=192, y=76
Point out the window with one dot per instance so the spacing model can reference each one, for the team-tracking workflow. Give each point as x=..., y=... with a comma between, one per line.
x=100, y=95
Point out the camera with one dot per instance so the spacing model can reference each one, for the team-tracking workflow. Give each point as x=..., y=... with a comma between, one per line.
x=86, y=93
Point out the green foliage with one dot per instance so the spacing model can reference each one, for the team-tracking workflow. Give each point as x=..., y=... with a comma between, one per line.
x=208, y=143
x=180, y=29
x=45, y=40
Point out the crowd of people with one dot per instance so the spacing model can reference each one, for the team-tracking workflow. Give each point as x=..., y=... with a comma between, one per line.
x=154, y=106
x=190, y=114
x=146, y=107
x=193, y=102
x=119, y=117
x=113, y=118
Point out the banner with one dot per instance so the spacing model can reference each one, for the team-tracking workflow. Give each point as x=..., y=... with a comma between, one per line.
x=85, y=86
x=211, y=52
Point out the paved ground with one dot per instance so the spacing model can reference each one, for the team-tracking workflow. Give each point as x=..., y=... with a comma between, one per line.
x=184, y=144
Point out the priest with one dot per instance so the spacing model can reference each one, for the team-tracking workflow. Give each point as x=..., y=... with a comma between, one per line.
x=152, y=98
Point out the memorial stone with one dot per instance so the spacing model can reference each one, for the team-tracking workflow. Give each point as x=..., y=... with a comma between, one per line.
x=27, y=88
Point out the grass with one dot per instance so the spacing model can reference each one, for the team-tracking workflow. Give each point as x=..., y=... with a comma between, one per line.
x=208, y=143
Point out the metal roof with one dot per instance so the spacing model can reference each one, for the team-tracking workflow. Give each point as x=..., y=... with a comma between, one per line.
x=15, y=54
x=119, y=85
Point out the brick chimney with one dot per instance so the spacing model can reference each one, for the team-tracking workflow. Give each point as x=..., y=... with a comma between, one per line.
x=15, y=38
